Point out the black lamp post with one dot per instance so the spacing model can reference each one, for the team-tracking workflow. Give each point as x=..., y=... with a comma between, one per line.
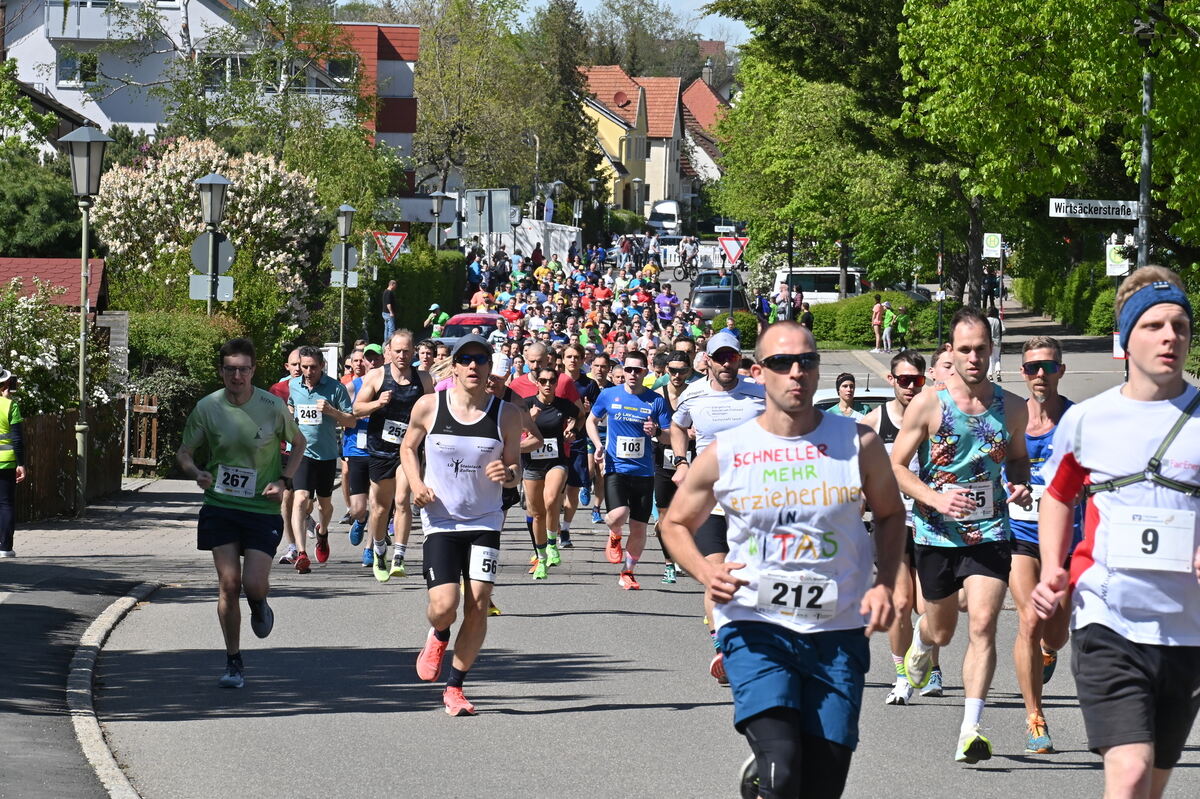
x=214, y=190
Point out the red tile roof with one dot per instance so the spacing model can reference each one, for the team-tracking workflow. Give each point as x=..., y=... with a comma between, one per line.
x=704, y=104
x=61, y=272
x=662, y=105
x=700, y=137
x=618, y=92
x=714, y=49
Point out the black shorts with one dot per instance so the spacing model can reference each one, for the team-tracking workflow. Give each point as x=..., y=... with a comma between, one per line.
x=220, y=526
x=1031, y=550
x=632, y=491
x=358, y=469
x=380, y=468
x=537, y=470
x=664, y=490
x=943, y=569
x=1135, y=693
x=710, y=536
x=578, y=475
x=465, y=554
x=315, y=477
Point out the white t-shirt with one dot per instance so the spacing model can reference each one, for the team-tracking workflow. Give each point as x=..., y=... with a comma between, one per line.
x=710, y=411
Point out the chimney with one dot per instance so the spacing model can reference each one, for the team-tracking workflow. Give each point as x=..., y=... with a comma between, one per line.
x=706, y=73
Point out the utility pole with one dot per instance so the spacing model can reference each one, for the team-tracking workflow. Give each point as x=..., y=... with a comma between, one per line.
x=1144, y=31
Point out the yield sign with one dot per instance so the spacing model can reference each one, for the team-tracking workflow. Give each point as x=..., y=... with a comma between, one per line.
x=389, y=243
x=733, y=246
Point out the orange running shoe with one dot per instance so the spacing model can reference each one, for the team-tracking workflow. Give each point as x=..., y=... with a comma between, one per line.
x=457, y=704
x=613, y=550
x=533, y=564
x=429, y=659
x=628, y=582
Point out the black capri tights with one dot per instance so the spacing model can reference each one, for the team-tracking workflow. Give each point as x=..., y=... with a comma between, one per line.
x=789, y=760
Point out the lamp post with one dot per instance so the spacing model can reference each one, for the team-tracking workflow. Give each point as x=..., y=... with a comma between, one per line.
x=514, y=212
x=438, y=198
x=213, y=191
x=86, y=148
x=345, y=222
x=1144, y=31
x=481, y=201
x=637, y=194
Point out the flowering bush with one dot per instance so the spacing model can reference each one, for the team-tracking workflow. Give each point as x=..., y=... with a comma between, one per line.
x=39, y=343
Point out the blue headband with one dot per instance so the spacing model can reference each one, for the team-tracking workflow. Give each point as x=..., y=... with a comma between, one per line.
x=1154, y=294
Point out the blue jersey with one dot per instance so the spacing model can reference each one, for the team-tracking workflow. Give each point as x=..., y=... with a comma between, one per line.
x=1025, y=523
x=354, y=441
x=627, y=447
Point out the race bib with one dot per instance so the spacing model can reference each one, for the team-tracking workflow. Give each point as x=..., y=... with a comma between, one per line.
x=1019, y=514
x=980, y=494
x=800, y=596
x=668, y=459
x=547, y=451
x=360, y=439
x=631, y=447
x=1152, y=539
x=308, y=414
x=485, y=564
x=393, y=432
x=235, y=481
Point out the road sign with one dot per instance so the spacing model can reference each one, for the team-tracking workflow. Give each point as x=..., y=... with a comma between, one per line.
x=724, y=229
x=733, y=246
x=991, y=245
x=1094, y=209
x=200, y=285
x=351, y=257
x=1115, y=262
x=389, y=243
x=225, y=253
x=335, y=279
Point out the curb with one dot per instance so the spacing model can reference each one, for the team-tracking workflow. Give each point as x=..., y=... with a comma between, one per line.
x=79, y=694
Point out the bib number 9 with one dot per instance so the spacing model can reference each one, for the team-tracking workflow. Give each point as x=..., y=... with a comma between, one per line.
x=485, y=564
x=1152, y=539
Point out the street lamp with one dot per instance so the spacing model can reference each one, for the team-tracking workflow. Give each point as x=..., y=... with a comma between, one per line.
x=345, y=223
x=480, y=205
x=514, y=212
x=637, y=193
x=213, y=190
x=438, y=197
x=86, y=148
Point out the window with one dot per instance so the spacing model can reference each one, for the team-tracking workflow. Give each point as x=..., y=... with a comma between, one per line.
x=342, y=70
x=220, y=70
x=77, y=69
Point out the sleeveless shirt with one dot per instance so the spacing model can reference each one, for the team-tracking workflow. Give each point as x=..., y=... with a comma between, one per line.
x=456, y=453
x=387, y=426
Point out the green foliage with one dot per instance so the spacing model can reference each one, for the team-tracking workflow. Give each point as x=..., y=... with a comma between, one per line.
x=849, y=321
x=39, y=217
x=1100, y=321
x=179, y=342
x=747, y=327
x=177, y=395
x=1082, y=299
x=621, y=220
x=423, y=278
x=924, y=327
x=19, y=122
x=647, y=38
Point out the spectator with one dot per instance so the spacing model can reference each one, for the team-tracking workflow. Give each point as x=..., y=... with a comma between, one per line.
x=877, y=322
x=389, y=310
x=12, y=461
x=889, y=321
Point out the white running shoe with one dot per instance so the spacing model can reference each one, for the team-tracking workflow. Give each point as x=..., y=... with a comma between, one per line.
x=901, y=693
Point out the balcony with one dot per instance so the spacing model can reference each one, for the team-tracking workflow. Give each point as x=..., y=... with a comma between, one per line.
x=83, y=21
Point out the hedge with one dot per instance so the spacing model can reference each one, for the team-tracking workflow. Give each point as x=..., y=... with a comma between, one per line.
x=747, y=327
x=182, y=341
x=1079, y=298
x=849, y=321
x=423, y=278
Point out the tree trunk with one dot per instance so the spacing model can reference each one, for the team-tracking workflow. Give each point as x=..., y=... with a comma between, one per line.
x=974, y=250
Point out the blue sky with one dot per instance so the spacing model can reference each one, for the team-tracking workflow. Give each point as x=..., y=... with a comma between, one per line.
x=709, y=27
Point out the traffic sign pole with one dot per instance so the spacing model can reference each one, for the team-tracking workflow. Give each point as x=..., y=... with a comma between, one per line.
x=342, y=312
x=212, y=266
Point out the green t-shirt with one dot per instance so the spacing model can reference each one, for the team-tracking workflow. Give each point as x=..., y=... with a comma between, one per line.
x=241, y=447
x=902, y=323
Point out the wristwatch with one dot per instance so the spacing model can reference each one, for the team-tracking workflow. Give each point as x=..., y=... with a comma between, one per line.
x=678, y=460
x=287, y=482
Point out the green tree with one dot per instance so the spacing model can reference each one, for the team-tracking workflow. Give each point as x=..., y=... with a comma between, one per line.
x=19, y=122
x=645, y=37
x=38, y=214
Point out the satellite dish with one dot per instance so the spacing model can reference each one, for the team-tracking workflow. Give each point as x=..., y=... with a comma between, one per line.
x=621, y=99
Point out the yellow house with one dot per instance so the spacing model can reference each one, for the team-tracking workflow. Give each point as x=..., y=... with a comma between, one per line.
x=617, y=104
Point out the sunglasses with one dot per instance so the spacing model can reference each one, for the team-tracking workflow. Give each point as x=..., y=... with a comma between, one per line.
x=466, y=358
x=909, y=381
x=1031, y=368
x=725, y=356
x=679, y=370
x=545, y=381
x=782, y=364
x=634, y=370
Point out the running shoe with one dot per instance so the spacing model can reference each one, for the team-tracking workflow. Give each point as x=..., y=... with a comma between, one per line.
x=539, y=570
x=7, y=553
x=748, y=779
x=553, y=558
x=398, y=567
x=289, y=556
x=346, y=518
x=917, y=665
x=379, y=564
x=368, y=556
x=356, y=532
x=716, y=667
x=585, y=496
x=628, y=581
x=322, y=547
x=429, y=659
x=232, y=678
x=596, y=517
x=972, y=747
x=262, y=618
x=302, y=564
x=1049, y=661
x=310, y=527
x=669, y=574
x=533, y=562
x=613, y=550
x=1038, y=736
x=564, y=540
x=934, y=686
x=457, y=704
x=492, y=609
x=901, y=693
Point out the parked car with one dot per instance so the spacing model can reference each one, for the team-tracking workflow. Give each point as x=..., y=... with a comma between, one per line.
x=711, y=277
x=461, y=325
x=709, y=301
x=871, y=397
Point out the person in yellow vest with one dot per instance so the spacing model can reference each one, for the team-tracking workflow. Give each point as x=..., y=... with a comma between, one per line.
x=12, y=461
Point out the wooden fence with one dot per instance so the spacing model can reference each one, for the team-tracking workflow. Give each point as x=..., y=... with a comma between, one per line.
x=143, y=434
x=51, y=478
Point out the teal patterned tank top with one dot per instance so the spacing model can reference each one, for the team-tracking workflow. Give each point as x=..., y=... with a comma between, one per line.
x=965, y=452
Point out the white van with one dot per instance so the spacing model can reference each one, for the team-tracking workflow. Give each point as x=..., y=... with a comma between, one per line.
x=665, y=216
x=819, y=283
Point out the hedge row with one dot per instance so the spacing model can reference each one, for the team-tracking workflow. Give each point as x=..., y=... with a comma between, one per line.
x=423, y=277
x=1082, y=298
x=849, y=320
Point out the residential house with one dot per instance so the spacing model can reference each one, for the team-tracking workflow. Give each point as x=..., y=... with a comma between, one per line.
x=702, y=109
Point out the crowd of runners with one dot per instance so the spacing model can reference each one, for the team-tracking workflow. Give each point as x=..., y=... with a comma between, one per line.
x=808, y=530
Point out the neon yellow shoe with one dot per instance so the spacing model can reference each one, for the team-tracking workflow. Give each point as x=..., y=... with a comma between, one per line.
x=383, y=572
x=552, y=556
x=539, y=570
x=398, y=567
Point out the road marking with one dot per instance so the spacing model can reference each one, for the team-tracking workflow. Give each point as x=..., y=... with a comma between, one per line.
x=872, y=364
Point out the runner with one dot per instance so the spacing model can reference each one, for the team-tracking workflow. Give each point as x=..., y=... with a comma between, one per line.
x=1035, y=651
x=723, y=400
x=280, y=389
x=472, y=448
x=1136, y=575
x=635, y=418
x=601, y=371
x=796, y=596
x=906, y=377
x=545, y=467
x=240, y=428
x=387, y=396
x=679, y=373
x=964, y=434
x=578, y=463
x=357, y=472
x=358, y=367
x=321, y=405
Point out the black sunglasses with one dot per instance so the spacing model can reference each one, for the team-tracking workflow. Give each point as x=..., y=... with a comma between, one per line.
x=1031, y=368
x=679, y=370
x=478, y=358
x=635, y=369
x=545, y=381
x=783, y=364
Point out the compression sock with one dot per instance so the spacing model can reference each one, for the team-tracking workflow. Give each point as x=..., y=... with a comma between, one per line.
x=972, y=713
x=401, y=549
x=898, y=662
x=552, y=538
x=541, y=552
x=630, y=561
x=456, y=678
x=234, y=660
x=381, y=547
x=442, y=635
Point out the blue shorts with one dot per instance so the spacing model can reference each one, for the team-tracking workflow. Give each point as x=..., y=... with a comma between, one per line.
x=820, y=675
x=577, y=469
x=219, y=526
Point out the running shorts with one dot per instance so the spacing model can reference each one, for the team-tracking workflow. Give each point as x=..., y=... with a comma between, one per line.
x=461, y=555
x=711, y=536
x=942, y=570
x=1135, y=693
x=577, y=469
x=664, y=490
x=358, y=468
x=537, y=470
x=315, y=477
x=630, y=490
x=382, y=468
x=220, y=526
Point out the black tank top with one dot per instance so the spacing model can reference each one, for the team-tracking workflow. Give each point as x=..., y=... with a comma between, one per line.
x=887, y=428
x=387, y=425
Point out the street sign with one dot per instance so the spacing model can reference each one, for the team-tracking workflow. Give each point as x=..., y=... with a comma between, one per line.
x=724, y=229
x=1115, y=262
x=733, y=246
x=225, y=253
x=351, y=257
x=198, y=287
x=991, y=245
x=335, y=279
x=389, y=243
x=1094, y=209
